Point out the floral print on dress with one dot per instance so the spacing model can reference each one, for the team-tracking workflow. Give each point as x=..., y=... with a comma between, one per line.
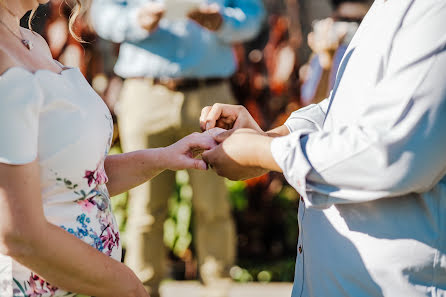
x=35, y=287
x=95, y=203
x=78, y=130
x=98, y=198
x=98, y=176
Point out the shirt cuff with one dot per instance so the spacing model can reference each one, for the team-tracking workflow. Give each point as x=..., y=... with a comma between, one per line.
x=288, y=154
x=296, y=124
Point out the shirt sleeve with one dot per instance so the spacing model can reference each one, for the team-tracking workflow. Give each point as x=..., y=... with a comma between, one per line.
x=310, y=118
x=20, y=106
x=398, y=147
x=242, y=20
x=116, y=20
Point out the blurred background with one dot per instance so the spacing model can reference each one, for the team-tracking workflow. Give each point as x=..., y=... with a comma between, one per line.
x=291, y=63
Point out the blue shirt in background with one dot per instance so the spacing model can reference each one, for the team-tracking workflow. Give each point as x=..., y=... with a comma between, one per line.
x=177, y=48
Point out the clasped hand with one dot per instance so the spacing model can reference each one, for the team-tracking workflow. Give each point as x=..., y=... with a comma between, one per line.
x=232, y=144
x=207, y=16
x=238, y=153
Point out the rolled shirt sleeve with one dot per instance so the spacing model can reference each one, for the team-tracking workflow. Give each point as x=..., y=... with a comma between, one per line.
x=310, y=118
x=397, y=147
x=117, y=21
x=242, y=20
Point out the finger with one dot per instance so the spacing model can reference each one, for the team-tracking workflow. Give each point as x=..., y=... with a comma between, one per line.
x=209, y=157
x=159, y=14
x=205, y=159
x=154, y=8
x=310, y=41
x=213, y=115
x=203, y=8
x=223, y=124
x=197, y=164
x=214, y=8
x=204, y=112
x=215, y=131
x=223, y=136
x=194, y=15
x=201, y=141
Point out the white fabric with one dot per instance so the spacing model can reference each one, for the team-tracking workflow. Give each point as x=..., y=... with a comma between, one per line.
x=19, y=121
x=371, y=166
x=62, y=122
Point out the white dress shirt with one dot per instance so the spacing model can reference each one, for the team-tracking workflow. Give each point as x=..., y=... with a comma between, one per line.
x=370, y=162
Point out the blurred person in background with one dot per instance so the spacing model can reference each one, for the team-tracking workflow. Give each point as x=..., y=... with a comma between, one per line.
x=329, y=41
x=173, y=66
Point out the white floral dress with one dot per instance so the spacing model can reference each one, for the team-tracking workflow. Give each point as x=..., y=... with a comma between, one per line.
x=61, y=121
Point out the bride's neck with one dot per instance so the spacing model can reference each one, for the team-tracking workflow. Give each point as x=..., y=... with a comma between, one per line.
x=11, y=11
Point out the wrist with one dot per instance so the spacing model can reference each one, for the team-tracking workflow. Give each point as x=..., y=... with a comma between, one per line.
x=155, y=160
x=252, y=149
x=135, y=287
x=163, y=158
x=261, y=149
x=261, y=155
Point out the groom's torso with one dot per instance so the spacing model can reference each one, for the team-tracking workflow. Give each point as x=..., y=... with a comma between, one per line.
x=387, y=247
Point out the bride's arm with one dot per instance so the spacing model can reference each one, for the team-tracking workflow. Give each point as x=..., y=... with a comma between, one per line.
x=126, y=171
x=60, y=258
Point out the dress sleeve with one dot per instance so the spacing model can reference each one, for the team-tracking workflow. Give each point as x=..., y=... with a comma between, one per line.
x=20, y=103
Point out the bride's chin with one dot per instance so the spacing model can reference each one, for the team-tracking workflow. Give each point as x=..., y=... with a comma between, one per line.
x=36, y=3
x=43, y=1
x=33, y=4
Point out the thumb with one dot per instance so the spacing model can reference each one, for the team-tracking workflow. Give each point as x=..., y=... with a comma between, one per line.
x=209, y=156
x=197, y=164
x=215, y=131
x=223, y=136
x=201, y=141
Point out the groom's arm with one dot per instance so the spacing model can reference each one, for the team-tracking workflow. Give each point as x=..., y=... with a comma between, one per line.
x=244, y=151
x=236, y=116
x=242, y=154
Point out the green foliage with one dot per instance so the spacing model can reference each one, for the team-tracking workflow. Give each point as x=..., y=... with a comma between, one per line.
x=177, y=228
x=278, y=271
x=286, y=198
x=237, y=194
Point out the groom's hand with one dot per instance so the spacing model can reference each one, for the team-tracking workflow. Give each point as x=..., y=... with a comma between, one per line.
x=233, y=157
x=227, y=117
x=150, y=15
x=207, y=16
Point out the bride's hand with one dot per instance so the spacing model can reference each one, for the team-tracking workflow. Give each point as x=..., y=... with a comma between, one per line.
x=185, y=153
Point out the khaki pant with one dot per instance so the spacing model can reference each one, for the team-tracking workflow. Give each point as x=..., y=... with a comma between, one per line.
x=153, y=116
